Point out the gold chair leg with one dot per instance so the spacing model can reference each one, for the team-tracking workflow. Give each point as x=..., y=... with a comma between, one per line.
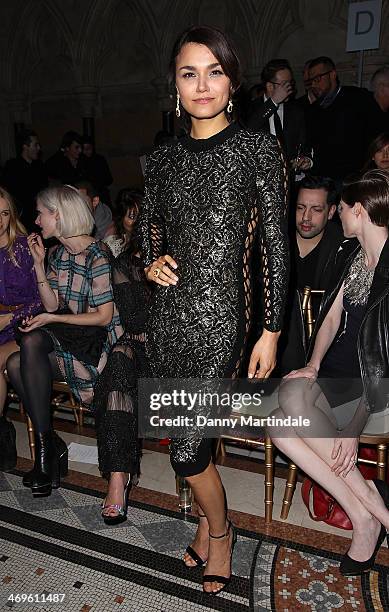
x=289, y=490
x=80, y=421
x=220, y=449
x=269, y=479
x=75, y=409
x=31, y=438
x=382, y=453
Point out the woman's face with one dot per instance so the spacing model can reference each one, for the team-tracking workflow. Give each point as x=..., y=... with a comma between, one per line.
x=47, y=221
x=348, y=218
x=203, y=87
x=381, y=158
x=5, y=216
x=129, y=219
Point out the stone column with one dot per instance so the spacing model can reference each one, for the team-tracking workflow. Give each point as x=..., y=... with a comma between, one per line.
x=88, y=100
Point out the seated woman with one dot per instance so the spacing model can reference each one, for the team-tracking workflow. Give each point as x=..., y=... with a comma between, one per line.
x=72, y=339
x=378, y=153
x=116, y=388
x=19, y=298
x=127, y=206
x=349, y=342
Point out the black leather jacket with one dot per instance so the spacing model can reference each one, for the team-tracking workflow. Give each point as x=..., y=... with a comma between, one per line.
x=373, y=337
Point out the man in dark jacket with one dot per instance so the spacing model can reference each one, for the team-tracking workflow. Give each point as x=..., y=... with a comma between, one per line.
x=313, y=247
x=24, y=176
x=96, y=169
x=66, y=166
x=276, y=113
x=338, y=122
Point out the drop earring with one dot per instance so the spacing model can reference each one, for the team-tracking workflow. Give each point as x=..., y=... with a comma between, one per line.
x=178, y=111
x=229, y=106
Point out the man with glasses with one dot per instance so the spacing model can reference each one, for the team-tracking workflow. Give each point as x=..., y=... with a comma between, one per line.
x=338, y=122
x=277, y=112
x=380, y=99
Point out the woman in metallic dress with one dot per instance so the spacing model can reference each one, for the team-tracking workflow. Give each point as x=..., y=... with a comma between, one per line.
x=208, y=197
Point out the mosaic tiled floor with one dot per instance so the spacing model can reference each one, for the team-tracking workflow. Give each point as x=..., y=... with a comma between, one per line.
x=60, y=545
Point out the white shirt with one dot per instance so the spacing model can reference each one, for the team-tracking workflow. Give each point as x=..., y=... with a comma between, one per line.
x=280, y=112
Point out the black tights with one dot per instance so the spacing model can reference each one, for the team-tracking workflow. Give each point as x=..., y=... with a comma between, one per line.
x=31, y=373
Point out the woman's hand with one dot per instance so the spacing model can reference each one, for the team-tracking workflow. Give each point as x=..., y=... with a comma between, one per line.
x=37, y=249
x=263, y=355
x=345, y=452
x=39, y=320
x=308, y=372
x=5, y=320
x=161, y=273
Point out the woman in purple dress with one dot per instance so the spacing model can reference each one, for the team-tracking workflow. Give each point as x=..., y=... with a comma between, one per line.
x=19, y=298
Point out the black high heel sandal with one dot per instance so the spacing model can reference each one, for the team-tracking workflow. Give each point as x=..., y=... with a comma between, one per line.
x=222, y=579
x=121, y=515
x=351, y=567
x=193, y=554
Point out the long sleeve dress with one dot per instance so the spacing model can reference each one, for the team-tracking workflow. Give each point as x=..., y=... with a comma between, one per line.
x=18, y=286
x=205, y=201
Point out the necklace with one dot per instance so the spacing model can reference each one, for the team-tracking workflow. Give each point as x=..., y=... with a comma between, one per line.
x=358, y=281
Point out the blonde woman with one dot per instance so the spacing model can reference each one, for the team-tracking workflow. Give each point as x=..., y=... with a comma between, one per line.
x=72, y=339
x=19, y=298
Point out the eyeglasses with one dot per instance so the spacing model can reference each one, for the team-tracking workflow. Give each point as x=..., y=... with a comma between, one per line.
x=292, y=83
x=316, y=79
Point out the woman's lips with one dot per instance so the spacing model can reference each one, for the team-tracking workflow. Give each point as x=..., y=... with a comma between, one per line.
x=203, y=100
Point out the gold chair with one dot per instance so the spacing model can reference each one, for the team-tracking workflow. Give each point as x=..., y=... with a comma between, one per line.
x=369, y=438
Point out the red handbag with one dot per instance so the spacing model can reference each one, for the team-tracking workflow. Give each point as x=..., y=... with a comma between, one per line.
x=322, y=506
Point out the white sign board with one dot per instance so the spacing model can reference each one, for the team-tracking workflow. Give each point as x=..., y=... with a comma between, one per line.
x=363, y=28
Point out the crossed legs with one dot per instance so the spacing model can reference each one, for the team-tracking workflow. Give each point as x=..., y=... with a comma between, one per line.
x=358, y=497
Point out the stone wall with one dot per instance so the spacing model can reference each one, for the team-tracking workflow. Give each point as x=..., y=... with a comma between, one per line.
x=65, y=59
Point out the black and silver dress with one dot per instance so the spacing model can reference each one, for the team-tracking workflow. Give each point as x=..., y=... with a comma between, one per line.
x=205, y=202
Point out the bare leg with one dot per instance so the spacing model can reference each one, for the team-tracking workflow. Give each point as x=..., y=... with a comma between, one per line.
x=366, y=528
x=200, y=543
x=209, y=493
x=117, y=482
x=5, y=351
x=299, y=399
x=359, y=498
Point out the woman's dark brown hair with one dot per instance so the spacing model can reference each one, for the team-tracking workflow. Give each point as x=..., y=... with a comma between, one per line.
x=127, y=200
x=217, y=42
x=381, y=141
x=372, y=191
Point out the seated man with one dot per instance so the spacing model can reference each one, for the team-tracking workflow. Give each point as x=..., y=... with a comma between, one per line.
x=316, y=240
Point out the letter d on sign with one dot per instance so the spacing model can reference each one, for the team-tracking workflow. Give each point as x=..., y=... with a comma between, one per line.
x=363, y=27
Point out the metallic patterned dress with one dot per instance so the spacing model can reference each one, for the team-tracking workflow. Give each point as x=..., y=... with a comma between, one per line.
x=213, y=205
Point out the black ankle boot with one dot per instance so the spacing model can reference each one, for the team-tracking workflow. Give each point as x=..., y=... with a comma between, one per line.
x=62, y=452
x=46, y=467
